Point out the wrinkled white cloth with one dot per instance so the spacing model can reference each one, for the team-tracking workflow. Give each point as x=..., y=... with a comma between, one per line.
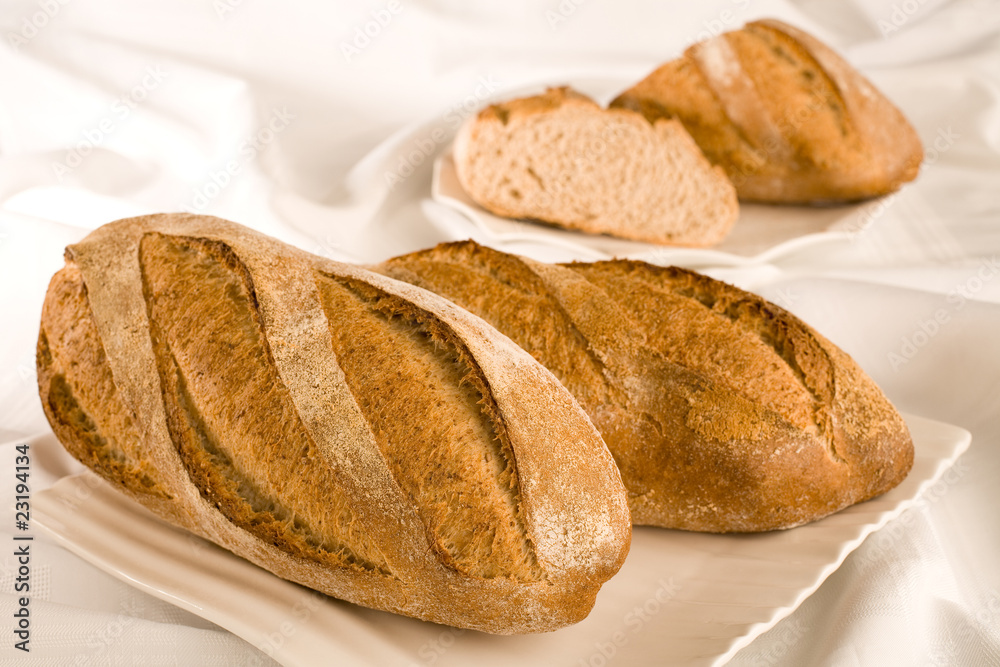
x=314, y=122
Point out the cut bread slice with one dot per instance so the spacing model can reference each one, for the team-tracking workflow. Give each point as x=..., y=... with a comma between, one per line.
x=562, y=159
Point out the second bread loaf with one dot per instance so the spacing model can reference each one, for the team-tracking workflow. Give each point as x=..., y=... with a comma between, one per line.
x=723, y=411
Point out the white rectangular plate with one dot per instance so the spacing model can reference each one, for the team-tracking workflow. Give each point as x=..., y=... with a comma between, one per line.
x=680, y=599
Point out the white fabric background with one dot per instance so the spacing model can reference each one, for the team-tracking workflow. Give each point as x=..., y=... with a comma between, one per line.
x=168, y=94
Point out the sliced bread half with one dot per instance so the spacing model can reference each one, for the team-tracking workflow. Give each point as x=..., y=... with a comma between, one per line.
x=562, y=159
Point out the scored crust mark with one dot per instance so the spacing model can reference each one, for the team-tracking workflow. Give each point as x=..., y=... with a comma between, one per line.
x=804, y=360
x=470, y=275
x=797, y=61
x=778, y=97
x=739, y=97
x=90, y=447
x=74, y=375
x=784, y=45
x=237, y=495
x=229, y=415
x=406, y=369
x=754, y=314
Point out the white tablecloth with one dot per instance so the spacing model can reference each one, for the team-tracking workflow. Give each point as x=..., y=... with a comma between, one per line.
x=289, y=116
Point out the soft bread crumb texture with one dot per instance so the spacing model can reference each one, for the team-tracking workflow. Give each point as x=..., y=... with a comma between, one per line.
x=788, y=119
x=559, y=158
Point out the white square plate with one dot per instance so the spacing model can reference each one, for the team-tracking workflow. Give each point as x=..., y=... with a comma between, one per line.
x=680, y=599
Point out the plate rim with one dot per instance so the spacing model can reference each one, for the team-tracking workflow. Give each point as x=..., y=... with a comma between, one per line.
x=653, y=253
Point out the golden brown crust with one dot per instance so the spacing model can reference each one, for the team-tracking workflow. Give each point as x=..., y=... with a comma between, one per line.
x=106, y=441
x=787, y=118
x=552, y=98
x=724, y=412
x=247, y=391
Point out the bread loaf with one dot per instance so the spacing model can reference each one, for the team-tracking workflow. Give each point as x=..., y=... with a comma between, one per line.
x=724, y=412
x=562, y=159
x=787, y=118
x=343, y=430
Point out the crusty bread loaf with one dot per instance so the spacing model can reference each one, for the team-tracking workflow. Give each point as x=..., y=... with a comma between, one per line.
x=724, y=412
x=562, y=159
x=343, y=430
x=787, y=118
